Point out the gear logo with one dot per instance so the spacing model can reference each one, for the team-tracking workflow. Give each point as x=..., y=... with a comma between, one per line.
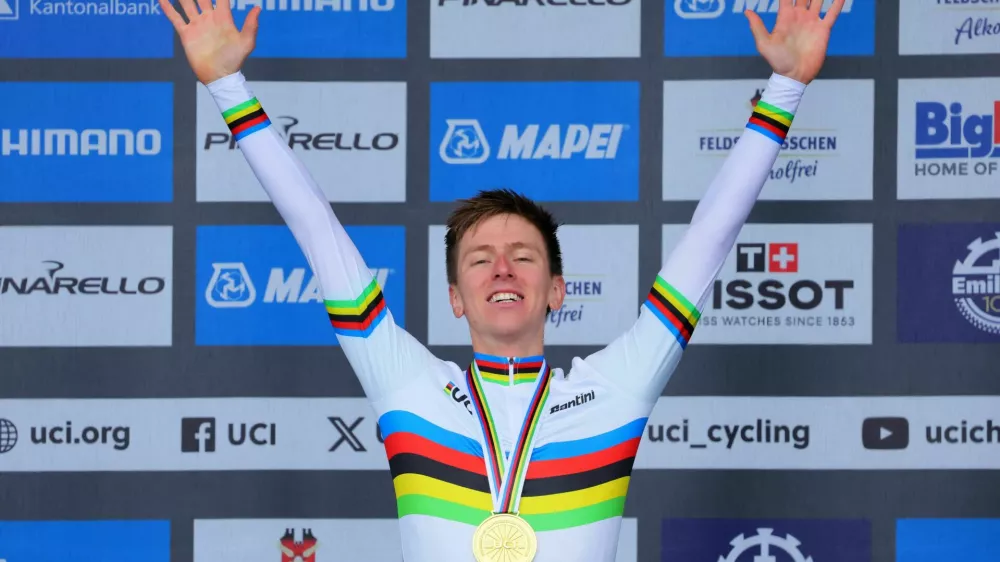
x=699, y=9
x=975, y=284
x=762, y=543
x=464, y=142
x=230, y=286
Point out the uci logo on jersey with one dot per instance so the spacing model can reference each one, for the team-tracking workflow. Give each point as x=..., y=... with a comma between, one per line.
x=575, y=141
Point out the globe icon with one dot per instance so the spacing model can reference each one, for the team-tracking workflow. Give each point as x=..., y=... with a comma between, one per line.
x=8, y=435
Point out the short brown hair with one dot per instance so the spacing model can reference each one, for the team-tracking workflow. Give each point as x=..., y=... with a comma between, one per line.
x=499, y=202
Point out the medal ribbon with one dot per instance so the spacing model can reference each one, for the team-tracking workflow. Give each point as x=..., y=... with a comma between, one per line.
x=507, y=479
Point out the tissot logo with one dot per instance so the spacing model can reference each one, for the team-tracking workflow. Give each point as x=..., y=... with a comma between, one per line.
x=311, y=140
x=347, y=435
x=772, y=258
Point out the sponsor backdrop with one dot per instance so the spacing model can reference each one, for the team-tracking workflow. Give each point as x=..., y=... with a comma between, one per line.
x=170, y=387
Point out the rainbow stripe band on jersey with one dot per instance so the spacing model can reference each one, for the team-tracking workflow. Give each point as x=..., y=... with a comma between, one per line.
x=246, y=119
x=673, y=310
x=770, y=121
x=358, y=317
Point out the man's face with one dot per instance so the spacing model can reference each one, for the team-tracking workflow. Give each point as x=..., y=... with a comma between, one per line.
x=504, y=283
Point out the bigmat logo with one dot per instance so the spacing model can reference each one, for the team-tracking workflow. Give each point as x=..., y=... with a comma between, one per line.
x=351, y=136
x=83, y=29
x=85, y=286
x=119, y=150
x=85, y=541
x=789, y=284
x=255, y=286
x=600, y=264
x=832, y=126
x=542, y=28
x=933, y=540
x=553, y=141
x=948, y=283
x=718, y=27
x=314, y=29
x=754, y=540
x=948, y=27
x=949, y=139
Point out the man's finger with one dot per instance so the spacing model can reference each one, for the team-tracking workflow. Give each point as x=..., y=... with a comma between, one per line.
x=757, y=27
x=223, y=6
x=172, y=14
x=189, y=9
x=786, y=5
x=815, y=5
x=833, y=12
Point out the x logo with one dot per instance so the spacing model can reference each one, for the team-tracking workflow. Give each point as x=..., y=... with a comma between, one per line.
x=347, y=434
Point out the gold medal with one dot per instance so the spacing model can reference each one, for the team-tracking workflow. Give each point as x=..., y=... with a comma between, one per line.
x=504, y=537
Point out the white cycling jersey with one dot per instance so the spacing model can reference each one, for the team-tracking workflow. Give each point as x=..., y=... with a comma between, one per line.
x=575, y=486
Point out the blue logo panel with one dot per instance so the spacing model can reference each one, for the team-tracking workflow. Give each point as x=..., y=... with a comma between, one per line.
x=552, y=141
x=254, y=286
x=86, y=142
x=125, y=29
x=948, y=283
x=698, y=28
x=752, y=540
x=312, y=29
x=934, y=540
x=85, y=541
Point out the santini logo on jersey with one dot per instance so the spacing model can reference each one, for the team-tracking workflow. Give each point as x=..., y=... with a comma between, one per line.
x=316, y=5
x=86, y=142
x=578, y=401
x=466, y=143
x=710, y=9
x=232, y=287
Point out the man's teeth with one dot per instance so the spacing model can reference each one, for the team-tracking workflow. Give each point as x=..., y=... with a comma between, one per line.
x=505, y=297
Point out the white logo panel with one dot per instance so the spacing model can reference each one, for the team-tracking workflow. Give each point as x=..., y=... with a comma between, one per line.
x=600, y=265
x=351, y=136
x=948, y=28
x=86, y=286
x=789, y=284
x=827, y=154
x=469, y=29
x=948, y=141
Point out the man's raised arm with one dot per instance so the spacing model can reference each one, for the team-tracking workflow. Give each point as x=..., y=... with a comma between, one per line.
x=642, y=359
x=383, y=355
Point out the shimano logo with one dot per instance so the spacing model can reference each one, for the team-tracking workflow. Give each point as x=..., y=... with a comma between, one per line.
x=315, y=5
x=491, y=3
x=466, y=143
x=88, y=142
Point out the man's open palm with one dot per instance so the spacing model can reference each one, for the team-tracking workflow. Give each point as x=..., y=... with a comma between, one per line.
x=213, y=45
x=796, y=47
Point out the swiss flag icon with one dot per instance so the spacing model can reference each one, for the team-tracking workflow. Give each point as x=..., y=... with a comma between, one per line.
x=783, y=257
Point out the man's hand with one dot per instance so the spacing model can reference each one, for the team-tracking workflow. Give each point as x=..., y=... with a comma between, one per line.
x=796, y=48
x=213, y=45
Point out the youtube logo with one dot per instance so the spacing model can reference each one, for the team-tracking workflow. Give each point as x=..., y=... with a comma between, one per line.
x=885, y=433
x=767, y=258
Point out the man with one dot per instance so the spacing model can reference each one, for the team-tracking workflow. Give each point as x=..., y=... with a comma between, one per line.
x=523, y=470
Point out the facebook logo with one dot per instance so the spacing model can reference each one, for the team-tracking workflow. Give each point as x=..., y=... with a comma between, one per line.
x=198, y=435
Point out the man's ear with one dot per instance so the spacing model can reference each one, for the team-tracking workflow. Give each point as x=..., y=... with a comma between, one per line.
x=558, y=293
x=456, y=301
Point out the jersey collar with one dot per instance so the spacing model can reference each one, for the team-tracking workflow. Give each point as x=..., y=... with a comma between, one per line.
x=509, y=371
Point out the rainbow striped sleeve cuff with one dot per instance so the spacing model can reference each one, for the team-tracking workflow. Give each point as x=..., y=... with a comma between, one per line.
x=358, y=317
x=673, y=310
x=770, y=121
x=246, y=119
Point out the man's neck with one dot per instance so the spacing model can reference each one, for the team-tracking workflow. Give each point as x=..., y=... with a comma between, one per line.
x=524, y=347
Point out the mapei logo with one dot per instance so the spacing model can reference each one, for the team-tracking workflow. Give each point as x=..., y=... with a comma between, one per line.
x=465, y=142
x=711, y=9
x=232, y=287
x=764, y=545
x=975, y=284
x=946, y=132
x=83, y=142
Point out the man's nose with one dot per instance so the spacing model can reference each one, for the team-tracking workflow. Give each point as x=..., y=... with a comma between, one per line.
x=502, y=268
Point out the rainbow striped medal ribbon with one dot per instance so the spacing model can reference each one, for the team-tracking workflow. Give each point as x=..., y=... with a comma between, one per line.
x=504, y=535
